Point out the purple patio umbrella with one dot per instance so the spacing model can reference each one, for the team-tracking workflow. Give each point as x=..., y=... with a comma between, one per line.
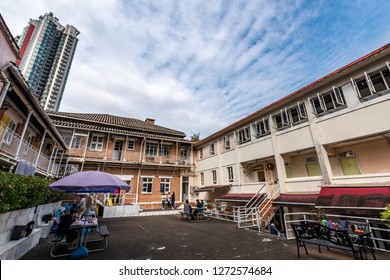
x=89, y=181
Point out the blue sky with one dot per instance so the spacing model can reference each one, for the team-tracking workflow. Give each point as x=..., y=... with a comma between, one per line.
x=198, y=66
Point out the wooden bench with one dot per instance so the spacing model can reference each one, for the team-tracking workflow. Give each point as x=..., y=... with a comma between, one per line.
x=317, y=234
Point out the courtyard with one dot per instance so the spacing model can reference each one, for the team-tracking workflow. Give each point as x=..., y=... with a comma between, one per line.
x=167, y=237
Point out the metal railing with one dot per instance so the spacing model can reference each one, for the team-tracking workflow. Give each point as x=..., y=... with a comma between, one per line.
x=380, y=232
x=246, y=216
x=11, y=142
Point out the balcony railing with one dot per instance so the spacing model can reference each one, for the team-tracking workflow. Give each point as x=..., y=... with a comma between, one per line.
x=9, y=143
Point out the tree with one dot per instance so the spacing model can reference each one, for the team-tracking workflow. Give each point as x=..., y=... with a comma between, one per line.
x=195, y=137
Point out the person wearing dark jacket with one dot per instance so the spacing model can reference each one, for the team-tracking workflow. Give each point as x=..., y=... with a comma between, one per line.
x=64, y=228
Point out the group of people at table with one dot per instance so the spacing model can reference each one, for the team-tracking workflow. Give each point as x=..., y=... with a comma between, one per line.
x=72, y=214
x=193, y=212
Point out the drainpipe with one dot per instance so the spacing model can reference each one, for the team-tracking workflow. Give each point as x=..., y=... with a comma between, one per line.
x=5, y=88
x=40, y=148
x=108, y=140
x=23, y=134
x=58, y=169
x=85, y=151
x=139, y=171
x=51, y=157
x=54, y=160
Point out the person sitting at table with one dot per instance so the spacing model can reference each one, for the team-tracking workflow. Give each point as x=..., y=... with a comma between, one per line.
x=64, y=228
x=188, y=209
x=199, y=207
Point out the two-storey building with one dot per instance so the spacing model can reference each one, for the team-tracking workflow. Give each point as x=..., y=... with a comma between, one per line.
x=323, y=146
x=153, y=159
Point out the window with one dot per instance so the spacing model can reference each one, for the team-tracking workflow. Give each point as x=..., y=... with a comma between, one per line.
x=184, y=153
x=76, y=141
x=290, y=116
x=373, y=84
x=226, y=142
x=214, y=172
x=261, y=128
x=165, y=184
x=151, y=149
x=201, y=153
x=27, y=144
x=243, y=135
x=327, y=102
x=202, y=178
x=128, y=182
x=147, y=184
x=130, y=144
x=9, y=131
x=96, y=143
x=230, y=173
x=212, y=149
x=165, y=150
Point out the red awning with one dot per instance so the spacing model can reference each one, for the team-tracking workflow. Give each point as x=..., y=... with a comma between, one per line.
x=353, y=197
x=295, y=200
x=211, y=188
x=237, y=197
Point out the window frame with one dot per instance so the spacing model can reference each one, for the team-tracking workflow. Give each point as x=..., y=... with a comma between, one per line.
x=133, y=144
x=243, y=135
x=97, y=143
x=9, y=132
x=167, y=184
x=261, y=128
x=367, y=88
x=290, y=116
x=151, y=149
x=212, y=149
x=147, y=182
x=320, y=106
x=165, y=150
x=214, y=176
x=201, y=178
x=226, y=142
x=230, y=173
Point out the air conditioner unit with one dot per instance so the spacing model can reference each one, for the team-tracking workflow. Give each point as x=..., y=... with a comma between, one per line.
x=349, y=154
x=346, y=154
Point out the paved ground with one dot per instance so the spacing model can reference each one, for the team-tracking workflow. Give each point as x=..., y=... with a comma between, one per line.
x=169, y=238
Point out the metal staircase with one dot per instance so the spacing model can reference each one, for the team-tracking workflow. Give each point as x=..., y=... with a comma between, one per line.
x=258, y=212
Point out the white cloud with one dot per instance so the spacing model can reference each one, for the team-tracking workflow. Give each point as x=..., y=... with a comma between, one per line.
x=197, y=66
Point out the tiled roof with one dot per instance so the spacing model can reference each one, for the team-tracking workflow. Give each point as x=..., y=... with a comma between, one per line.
x=114, y=124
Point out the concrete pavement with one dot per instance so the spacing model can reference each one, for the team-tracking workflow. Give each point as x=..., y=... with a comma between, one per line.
x=170, y=238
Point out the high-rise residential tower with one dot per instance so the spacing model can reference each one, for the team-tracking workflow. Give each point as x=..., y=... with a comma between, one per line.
x=47, y=50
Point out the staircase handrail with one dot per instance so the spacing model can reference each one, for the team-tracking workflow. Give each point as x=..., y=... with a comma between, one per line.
x=254, y=200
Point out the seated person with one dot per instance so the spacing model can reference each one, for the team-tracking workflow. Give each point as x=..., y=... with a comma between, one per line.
x=64, y=228
x=199, y=207
x=188, y=209
x=70, y=207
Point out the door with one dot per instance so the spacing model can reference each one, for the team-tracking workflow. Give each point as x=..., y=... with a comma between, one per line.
x=185, y=188
x=117, y=151
x=350, y=166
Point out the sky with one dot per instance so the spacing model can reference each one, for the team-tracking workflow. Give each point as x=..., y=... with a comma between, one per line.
x=199, y=66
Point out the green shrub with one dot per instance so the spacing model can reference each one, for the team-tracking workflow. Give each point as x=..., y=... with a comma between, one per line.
x=386, y=214
x=19, y=192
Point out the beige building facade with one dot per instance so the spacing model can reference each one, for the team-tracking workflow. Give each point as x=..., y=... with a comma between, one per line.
x=324, y=146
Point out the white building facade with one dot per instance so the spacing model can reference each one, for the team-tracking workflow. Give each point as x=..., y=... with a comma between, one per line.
x=327, y=145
